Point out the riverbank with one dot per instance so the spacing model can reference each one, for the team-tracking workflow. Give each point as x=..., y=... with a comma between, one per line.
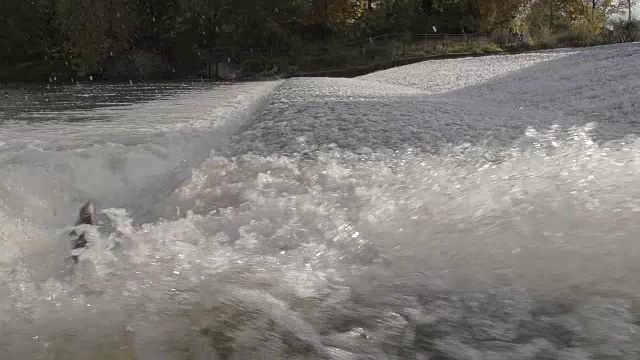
x=346, y=72
x=337, y=61
x=367, y=69
x=276, y=69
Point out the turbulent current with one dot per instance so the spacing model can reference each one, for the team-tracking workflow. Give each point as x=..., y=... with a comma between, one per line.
x=484, y=208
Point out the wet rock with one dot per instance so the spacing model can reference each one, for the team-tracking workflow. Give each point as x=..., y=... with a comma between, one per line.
x=496, y=316
x=496, y=350
x=396, y=333
x=357, y=342
x=453, y=349
x=574, y=354
x=339, y=354
x=539, y=349
x=562, y=330
x=417, y=316
x=249, y=323
x=392, y=336
x=439, y=319
x=552, y=307
x=496, y=355
x=481, y=317
x=272, y=349
x=200, y=349
x=608, y=330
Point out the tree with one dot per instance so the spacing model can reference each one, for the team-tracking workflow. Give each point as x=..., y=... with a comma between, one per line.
x=335, y=13
x=589, y=15
x=546, y=16
x=27, y=31
x=498, y=13
x=92, y=30
x=627, y=6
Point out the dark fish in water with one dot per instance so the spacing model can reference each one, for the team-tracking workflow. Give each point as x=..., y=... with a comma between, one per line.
x=86, y=216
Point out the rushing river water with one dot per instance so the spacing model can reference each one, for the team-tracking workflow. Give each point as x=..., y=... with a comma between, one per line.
x=228, y=232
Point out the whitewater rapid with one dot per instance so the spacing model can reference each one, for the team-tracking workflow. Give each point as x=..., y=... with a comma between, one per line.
x=481, y=208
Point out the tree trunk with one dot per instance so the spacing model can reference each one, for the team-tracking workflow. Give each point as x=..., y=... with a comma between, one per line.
x=630, y=4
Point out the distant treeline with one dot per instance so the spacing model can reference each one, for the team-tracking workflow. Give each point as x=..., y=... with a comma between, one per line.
x=164, y=38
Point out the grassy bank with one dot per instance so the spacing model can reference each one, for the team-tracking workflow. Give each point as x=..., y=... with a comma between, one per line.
x=355, y=59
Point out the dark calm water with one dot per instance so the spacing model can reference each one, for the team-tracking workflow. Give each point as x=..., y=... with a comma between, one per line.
x=27, y=101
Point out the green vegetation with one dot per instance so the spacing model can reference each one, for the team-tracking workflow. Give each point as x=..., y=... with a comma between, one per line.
x=141, y=39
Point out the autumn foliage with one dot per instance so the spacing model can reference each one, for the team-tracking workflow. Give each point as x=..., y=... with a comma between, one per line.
x=84, y=36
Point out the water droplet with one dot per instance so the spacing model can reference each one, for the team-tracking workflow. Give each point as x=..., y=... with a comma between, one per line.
x=91, y=78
